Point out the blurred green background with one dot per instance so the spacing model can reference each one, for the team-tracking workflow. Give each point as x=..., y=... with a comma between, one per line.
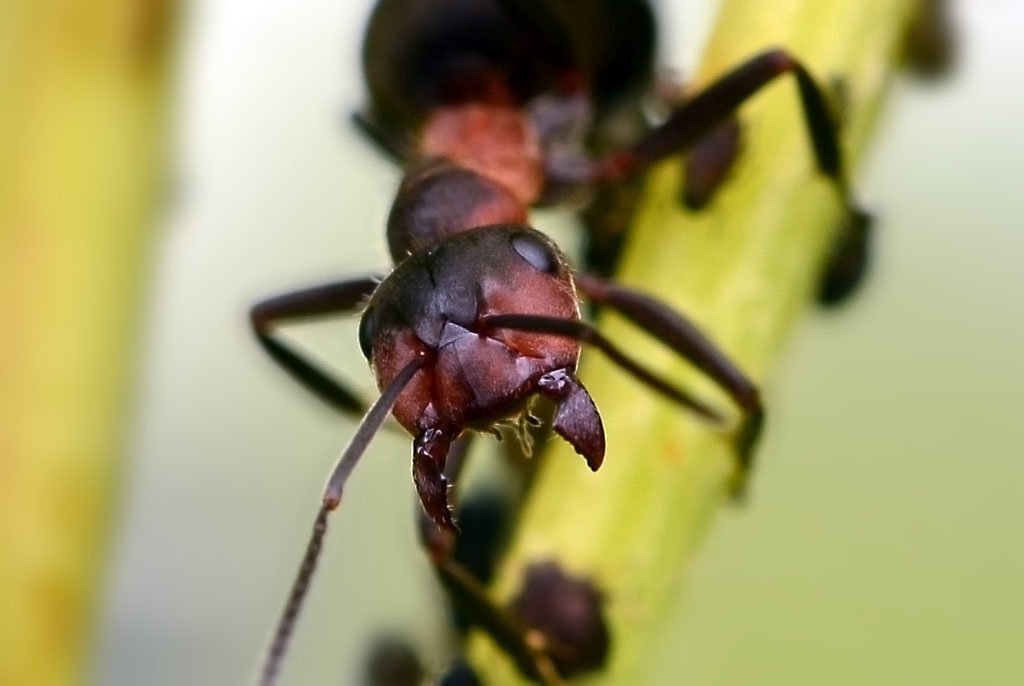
x=882, y=540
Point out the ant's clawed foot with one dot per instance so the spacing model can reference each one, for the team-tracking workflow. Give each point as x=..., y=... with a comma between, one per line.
x=849, y=258
x=745, y=440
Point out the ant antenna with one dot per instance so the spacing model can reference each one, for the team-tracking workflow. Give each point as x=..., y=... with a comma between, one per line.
x=331, y=499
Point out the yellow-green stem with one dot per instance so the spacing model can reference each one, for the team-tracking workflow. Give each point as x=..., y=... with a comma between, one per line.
x=83, y=88
x=744, y=270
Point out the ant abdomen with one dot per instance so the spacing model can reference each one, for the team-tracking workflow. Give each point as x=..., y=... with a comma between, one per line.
x=432, y=53
x=422, y=55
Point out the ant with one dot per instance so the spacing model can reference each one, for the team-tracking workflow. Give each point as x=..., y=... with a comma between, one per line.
x=493, y=106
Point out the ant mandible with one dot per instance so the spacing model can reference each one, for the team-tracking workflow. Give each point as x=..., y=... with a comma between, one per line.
x=493, y=106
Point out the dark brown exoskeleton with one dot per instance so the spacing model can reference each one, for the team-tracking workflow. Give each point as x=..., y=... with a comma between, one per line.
x=493, y=106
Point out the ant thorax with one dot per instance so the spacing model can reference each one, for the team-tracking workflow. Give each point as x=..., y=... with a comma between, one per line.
x=497, y=141
x=438, y=199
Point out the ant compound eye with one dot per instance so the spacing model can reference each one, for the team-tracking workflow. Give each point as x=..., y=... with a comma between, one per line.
x=367, y=332
x=538, y=253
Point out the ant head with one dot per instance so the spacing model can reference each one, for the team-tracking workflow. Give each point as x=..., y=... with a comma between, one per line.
x=434, y=304
x=438, y=199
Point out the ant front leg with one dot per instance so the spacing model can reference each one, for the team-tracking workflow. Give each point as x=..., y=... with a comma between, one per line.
x=396, y=145
x=585, y=332
x=341, y=297
x=674, y=330
x=701, y=114
x=434, y=467
x=708, y=163
x=669, y=327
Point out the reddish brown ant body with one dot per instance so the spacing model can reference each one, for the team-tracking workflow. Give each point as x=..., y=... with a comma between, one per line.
x=491, y=106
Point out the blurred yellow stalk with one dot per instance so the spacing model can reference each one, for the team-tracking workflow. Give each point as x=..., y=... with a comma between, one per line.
x=744, y=270
x=83, y=87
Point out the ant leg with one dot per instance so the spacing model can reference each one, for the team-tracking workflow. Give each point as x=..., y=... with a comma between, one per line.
x=684, y=344
x=679, y=333
x=467, y=591
x=674, y=330
x=585, y=332
x=346, y=462
x=709, y=163
x=703, y=112
x=528, y=647
x=711, y=158
x=699, y=115
x=847, y=260
x=333, y=298
x=607, y=216
x=395, y=145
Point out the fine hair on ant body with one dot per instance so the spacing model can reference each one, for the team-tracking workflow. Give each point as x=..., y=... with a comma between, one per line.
x=493, y=106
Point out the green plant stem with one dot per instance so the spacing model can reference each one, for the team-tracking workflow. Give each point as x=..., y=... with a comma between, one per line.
x=744, y=270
